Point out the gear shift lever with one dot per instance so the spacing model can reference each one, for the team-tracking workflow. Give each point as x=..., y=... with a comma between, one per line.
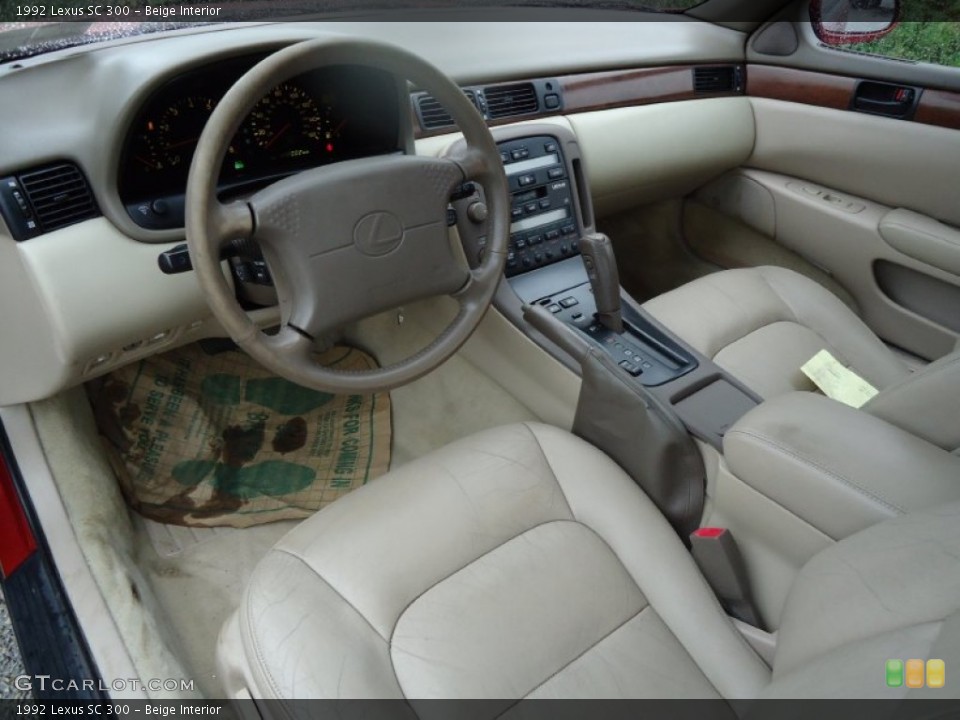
x=597, y=252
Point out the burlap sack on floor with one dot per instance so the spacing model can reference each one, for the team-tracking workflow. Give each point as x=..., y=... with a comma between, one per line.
x=205, y=440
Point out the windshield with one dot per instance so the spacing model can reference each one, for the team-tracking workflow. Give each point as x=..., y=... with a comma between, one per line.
x=32, y=29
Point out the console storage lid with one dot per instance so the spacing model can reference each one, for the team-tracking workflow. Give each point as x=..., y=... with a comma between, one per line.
x=838, y=468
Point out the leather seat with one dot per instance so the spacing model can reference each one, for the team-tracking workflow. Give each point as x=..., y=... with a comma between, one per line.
x=522, y=562
x=762, y=324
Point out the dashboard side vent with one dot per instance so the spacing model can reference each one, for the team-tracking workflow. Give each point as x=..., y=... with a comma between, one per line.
x=59, y=195
x=433, y=115
x=509, y=100
x=716, y=79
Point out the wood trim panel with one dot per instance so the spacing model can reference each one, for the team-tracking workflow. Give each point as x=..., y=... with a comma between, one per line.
x=602, y=90
x=617, y=88
x=801, y=86
x=936, y=107
x=939, y=107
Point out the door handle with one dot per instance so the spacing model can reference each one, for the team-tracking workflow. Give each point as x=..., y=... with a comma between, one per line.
x=877, y=98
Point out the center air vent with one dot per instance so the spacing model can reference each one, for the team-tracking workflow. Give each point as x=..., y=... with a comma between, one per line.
x=495, y=102
x=45, y=199
x=717, y=79
x=433, y=115
x=508, y=100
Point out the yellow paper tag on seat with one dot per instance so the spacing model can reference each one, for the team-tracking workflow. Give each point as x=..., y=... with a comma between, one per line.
x=837, y=381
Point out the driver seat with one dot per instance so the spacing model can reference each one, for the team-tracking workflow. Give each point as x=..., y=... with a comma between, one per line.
x=521, y=562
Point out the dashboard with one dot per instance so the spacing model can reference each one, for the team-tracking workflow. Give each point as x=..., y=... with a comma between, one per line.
x=90, y=296
x=321, y=117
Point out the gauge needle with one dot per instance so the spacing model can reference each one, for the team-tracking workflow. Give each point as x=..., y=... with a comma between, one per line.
x=148, y=163
x=276, y=137
x=182, y=142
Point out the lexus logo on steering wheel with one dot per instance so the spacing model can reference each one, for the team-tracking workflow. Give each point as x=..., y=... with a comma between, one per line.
x=378, y=233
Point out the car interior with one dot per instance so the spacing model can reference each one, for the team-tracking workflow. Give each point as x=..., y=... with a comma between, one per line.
x=585, y=259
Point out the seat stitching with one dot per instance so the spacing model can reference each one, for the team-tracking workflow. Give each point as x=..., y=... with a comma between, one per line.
x=546, y=459
x=812, y=463
x=602, y=539
x=463, y=567
x=332, y=587
x=352, y=606
x=918, y=378
x=809, y=660
x=786, y=303
x=563, y=667
x=259, y=653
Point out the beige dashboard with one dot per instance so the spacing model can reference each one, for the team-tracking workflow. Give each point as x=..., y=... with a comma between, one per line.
x=83, y=299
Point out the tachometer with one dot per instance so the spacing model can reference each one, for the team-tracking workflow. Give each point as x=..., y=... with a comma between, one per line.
x=288, y=123
x=173, y=137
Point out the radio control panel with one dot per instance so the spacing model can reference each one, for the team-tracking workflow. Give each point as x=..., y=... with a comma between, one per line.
x=544, y=178
x=543, y=222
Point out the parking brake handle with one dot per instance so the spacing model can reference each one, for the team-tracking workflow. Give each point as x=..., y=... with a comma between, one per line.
x=601, y=265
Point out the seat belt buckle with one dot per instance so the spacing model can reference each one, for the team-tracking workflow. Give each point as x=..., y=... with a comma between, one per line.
x=719, y=559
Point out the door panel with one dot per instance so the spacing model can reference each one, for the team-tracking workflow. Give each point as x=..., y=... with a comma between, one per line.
x=897, y=163
x=872, y=201
x=839, y=232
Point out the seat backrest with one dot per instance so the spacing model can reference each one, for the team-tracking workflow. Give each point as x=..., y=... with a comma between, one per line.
x=926, y=403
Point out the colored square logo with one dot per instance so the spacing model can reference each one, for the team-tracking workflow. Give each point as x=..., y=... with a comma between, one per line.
x=936, y=673
x=914, y=673
x=894, y=673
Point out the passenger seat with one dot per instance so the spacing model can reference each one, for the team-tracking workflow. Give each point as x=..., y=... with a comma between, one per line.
x=762, y=324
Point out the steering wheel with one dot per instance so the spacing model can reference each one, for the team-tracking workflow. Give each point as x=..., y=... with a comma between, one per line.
x=351, y=239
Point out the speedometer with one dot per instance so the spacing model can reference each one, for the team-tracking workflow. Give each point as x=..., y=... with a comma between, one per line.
x=288, y=123
x=178, y=130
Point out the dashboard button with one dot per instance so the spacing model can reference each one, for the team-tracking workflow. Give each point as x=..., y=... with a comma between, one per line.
x=550, y=147
x=526, y=180
x=535, y=239
x=569, y=301
x=530, y=208
x=553, y=234
x=545, y=203
x=555, y=173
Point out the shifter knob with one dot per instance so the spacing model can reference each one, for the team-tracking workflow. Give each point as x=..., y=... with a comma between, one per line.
x=601, y=266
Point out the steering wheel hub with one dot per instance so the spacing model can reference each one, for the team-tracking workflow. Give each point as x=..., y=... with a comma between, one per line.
x=378, y=233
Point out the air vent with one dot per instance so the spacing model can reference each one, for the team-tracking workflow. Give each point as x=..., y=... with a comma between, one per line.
x=508, y=100
x=59, y=196
x=433, y=115
x=716, y=79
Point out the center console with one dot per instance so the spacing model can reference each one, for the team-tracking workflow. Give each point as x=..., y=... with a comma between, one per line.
x=551, y=215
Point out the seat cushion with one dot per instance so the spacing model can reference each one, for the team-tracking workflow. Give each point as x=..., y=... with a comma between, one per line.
x=762, y=324
x=519, y=562
x=890, y=591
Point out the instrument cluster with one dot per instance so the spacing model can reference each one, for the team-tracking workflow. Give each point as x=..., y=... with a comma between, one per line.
x=324, y=116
